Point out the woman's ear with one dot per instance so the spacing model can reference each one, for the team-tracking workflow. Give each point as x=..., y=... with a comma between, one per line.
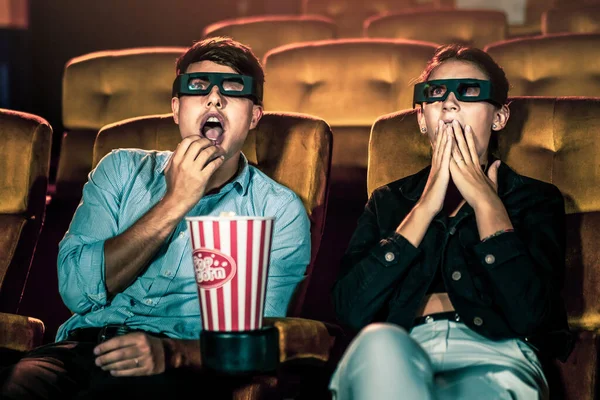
x=501, y=117
x=421, y=120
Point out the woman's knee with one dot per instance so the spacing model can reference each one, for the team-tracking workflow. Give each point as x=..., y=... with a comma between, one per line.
x=385, y=340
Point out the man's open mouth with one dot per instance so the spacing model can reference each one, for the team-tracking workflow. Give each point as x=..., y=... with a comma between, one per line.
x=212, y=128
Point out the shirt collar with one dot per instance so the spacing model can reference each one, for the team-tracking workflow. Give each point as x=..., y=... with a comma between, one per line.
x=241, y=181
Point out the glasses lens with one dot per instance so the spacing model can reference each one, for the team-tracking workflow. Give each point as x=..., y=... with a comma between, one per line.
x=434, y=91
x=233, y=84
x=200, y=83
x=469, y=90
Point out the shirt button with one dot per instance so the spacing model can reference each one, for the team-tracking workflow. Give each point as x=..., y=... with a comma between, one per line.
x=429, y=319
x=478, y=321
x=389, y=256
x=149, y=302
x=182, y=234
x=456, y=275
x=168, y=273
x=490, y=259
x=452, y=231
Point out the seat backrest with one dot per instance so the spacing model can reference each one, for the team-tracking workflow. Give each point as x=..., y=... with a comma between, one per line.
x=551, y=139
x=104, y=87
x=109, y=86
x=573, y=20
x=470, y=27
x=292, y=149
x=24, y=161
x=264, y=33
x=349, y=15
x=348, y=83
x=551, y=65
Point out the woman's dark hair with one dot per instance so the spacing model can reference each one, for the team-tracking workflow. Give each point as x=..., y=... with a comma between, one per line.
x=478, y=57
x=225, y=51
x=481, y=60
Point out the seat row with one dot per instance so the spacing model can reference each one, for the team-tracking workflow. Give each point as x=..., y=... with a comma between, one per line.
x=475, y=27
x=347, y=82
x=548, y=138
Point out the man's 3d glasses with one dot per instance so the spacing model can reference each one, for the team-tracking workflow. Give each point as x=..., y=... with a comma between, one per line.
x=464, y=89
x=201, y=83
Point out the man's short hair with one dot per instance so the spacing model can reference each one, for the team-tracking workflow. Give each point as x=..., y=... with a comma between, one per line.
x=225, y=51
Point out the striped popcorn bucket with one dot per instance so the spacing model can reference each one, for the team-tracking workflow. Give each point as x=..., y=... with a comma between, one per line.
x=230, y=256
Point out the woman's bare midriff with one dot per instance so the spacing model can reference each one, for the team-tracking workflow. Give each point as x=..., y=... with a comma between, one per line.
x=435, y=303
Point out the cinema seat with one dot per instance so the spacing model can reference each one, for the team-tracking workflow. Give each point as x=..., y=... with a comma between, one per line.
x=25, y=162
x=551, y=65
x=263, y=33
x=104, y=87
x=571, y=20
x=294, y=150
x=554, y=140
x=469, y=27
x=350, y=14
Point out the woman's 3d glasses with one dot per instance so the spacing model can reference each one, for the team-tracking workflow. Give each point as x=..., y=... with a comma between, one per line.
x=201, y=83
x=464, y=89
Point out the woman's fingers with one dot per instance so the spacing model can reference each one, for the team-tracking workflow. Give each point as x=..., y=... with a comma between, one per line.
x=447, y=151
x=470, y=138
x=465, y=154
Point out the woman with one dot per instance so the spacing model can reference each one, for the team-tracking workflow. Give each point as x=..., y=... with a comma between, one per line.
x=453, y=274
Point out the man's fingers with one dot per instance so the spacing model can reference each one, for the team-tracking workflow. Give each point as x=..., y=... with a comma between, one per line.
x=115, y=343
x=213, y=165
x=183, y=146
x=117, y=356
x=127, y=363
x=195, y=149
x=207, y=155
x=129, y=372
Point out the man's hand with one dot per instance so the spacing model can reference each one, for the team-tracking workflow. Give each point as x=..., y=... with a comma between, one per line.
x=189, y=170
x=134, y=354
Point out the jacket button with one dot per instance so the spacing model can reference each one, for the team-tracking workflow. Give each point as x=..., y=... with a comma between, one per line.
x=389, y=256
x=477, y=321
x=490, y=259
x=456, y=275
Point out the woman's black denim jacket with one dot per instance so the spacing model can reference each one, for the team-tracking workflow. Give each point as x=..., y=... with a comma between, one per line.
x=506, y=287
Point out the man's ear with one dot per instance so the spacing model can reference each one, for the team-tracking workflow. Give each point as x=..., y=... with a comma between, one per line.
x=501, y=117
x=421, y=120
x=257, y=113
x=175, y=109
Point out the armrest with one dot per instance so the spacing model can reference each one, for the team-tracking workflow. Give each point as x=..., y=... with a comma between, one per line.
x=301, y=338
x=20, y=333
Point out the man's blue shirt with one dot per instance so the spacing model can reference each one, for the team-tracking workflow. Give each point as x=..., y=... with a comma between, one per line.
x=164, y=299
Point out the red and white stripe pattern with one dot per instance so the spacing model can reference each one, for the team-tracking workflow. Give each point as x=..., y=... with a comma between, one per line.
x=238, y=304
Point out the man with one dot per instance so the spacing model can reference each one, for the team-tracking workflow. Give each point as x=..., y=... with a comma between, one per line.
x=125, y=265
